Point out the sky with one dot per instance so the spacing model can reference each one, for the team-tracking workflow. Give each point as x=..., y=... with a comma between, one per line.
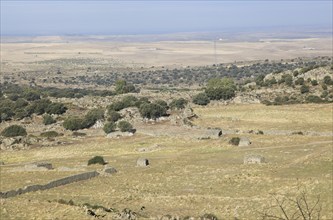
x=154, y=17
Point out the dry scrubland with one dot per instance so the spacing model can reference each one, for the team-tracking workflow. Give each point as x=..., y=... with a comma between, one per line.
x=187, y=176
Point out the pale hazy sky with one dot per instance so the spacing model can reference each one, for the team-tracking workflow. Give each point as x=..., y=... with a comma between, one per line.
x=144, y=17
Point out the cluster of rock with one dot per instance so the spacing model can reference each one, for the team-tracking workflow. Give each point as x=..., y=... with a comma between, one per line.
x=19, y=142
x=183, y=117
x=117, y=134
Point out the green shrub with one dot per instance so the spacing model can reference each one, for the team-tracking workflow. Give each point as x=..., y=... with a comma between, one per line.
x=201, y=99
x=328, y=80
x=304, y=89
x=13, y=131
x=96, y=160
x=314, y=99
x=32, y=96
x=324, y=94
x=116, y=106
x=109, y=127
x=6, y=113
x=129, y=101
x=162, y=103
x=234, y=141
x=20, y=103
x=123, y=87
x=73, y=123
x=178, y=103
x=91, y=117
x=47, y=119
x=56, y=108
x=299, y=81
x=39, y=106
x=152, y=110
x=20, y=114
x=314, y=82
x=113, y=116
x=125, y=126
x=217, y=89
x=49, y=134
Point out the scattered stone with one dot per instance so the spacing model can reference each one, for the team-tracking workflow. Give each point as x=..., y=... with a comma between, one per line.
x=118, y=134
x=38, y=166
x=142, y=162
x=211, y=133
x=244, y=141
x=254, y=159
x=109, y=170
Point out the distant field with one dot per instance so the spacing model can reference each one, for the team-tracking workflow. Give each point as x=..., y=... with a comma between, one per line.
x=22, y=56
x=188, y=176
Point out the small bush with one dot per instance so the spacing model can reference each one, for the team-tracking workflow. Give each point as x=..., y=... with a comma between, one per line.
x=152, y=110
x=56, y=108
x=113, y=116
x=234, y=141
x=13, y=131
x=91, y=117
x=328, y=80
x=50, y=134
x=299, y=81
x=201, y=99
x=314, y=82
x=73, y=123
x=314, y=99
x=47, y=119
x=125, y=126
x=304, y=89
x=109, y=127
x=96, y=160
x=178, y=103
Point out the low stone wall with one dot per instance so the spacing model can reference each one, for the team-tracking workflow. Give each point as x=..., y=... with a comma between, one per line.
x=50, y=185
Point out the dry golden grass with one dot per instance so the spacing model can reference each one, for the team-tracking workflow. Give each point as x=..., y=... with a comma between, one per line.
x=188, y=176
x=309, y=117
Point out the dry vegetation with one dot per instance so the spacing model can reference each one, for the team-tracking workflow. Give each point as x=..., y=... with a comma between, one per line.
x=188, y=176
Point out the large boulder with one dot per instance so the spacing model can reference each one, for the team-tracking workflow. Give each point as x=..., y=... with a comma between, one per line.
x=142, y=162
x=244, y=142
